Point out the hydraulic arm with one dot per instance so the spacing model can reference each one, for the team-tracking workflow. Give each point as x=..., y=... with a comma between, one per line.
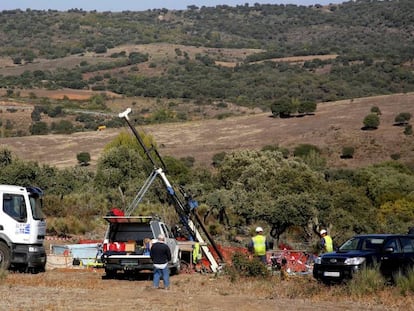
x=185, y=211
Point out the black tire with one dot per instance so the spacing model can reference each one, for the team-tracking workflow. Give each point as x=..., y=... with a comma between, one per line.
x=109, y=274
x=176, y=270
x=4, y=256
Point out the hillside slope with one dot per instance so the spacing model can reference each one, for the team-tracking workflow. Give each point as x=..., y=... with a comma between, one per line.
x=333, y=126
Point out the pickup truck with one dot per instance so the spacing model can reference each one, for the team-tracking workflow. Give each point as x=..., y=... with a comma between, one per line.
x=123, y=248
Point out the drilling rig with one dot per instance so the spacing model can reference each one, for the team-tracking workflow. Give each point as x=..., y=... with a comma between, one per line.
x=185, y=206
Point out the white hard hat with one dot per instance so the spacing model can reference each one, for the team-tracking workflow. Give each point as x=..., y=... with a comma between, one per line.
x=259, y=229
x=323, y=231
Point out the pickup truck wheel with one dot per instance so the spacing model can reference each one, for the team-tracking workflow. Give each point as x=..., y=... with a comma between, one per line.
x=110, y=274
x=176, y=269
x=4, y=256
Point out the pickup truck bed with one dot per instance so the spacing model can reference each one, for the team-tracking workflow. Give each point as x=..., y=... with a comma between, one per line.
x=123, y=248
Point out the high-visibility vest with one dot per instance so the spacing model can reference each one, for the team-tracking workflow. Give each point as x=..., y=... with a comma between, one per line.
x=196, y=253
x=259, y=245
x=328, y=244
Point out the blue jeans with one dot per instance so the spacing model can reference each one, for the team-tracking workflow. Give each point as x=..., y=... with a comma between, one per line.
x=161, y=273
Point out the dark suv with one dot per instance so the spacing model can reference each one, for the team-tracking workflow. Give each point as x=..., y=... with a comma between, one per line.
x=393, y=253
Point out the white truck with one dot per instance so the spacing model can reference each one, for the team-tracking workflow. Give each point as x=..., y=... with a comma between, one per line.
x=124, y=248
x=22, y=229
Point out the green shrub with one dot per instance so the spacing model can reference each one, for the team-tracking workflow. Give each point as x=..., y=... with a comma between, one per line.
x=405, y=284
x=64, y=226
x=395, y=156
x=188, y=161
x=408, y=129
x=402, y=118
x=225, y=115
x=243, y=266
x=375, y=109
x=222, y=105
x=285, y=152
x=62, y=127
x=218, y=158
x=371, y=121
x=39, y=128
x=366, y=281
x=3, y=275
x=305, y=149
x=347, y=152
x=83, y=158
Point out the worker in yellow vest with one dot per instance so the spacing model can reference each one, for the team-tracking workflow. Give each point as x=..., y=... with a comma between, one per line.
x=196, y=253
x=326, y=242
x=258, y=245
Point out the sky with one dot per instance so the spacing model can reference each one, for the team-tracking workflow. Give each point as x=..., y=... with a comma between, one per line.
x=139, y=5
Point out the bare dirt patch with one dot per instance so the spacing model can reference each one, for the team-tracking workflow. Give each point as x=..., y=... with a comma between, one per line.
x=165, y=50
x=292, y=59
x=296, y=59
x=86, y=290
x=67, y=93
x=71, y=61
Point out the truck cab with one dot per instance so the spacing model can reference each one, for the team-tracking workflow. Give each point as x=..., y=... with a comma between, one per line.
x=22, y=229
x=124, y=249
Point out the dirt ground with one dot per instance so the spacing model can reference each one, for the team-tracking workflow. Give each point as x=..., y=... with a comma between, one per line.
x=85, y=289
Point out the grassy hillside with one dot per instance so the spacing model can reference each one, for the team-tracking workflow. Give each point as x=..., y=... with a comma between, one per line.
x=213, y=54
x=333, y=126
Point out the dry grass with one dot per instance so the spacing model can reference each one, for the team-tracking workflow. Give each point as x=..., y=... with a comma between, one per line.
x=79, y=289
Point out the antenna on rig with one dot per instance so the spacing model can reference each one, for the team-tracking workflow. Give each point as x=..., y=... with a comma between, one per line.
x=147, y=150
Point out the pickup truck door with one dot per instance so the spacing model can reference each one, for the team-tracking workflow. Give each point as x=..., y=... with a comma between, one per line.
x=170, y=241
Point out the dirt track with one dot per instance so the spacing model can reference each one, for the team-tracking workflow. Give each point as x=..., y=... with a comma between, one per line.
x=86, y=290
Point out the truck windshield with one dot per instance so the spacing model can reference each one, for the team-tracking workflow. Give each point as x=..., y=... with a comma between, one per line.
x=36, y=206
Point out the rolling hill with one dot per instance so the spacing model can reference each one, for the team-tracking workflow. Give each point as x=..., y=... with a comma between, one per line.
x=333, y=126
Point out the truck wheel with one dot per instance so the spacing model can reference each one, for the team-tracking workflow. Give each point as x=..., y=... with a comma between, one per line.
x=176, y=270
x=110, y=274
x=4, y=256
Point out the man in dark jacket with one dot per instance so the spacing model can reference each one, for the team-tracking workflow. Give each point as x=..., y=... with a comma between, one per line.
x=161, y=255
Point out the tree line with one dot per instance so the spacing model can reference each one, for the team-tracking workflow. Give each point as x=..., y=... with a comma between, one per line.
x=293, y=196
x=373, y=41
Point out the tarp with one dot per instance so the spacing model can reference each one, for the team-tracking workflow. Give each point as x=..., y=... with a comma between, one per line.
x=86, y=252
